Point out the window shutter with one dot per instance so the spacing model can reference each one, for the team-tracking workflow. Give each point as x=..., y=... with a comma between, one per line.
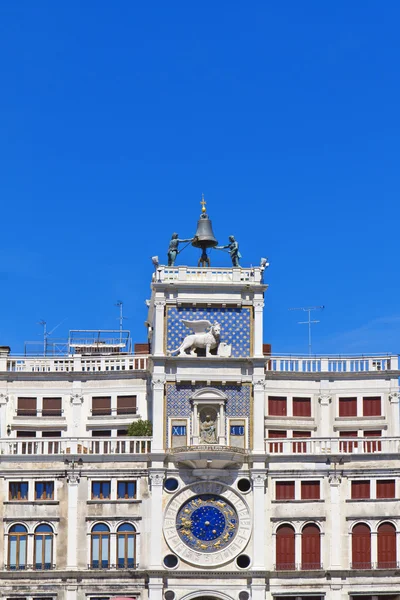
x=347, y=407
x=348, y=446
x=126, y=405
x=284, y=490
x=277, y=406
x=26, y=407
x=310, y=490
x=51, y=407
x=385, y=488
x=101, y=405
x=285, y=548
x=300, y=446
x=276, y=446
x=361, y=546
x=302, y=407
x=373, y=446
x=310, y=547
x=387, y=556
x=372, y=407
x=360, y=490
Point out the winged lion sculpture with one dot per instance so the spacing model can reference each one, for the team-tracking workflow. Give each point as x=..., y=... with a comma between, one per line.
x=206, y=335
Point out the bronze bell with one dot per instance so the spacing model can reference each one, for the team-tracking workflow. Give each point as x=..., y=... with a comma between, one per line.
x=204, y=236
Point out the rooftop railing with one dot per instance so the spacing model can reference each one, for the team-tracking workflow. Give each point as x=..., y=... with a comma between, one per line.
x=85, y=364
x=332, y=364
x=216, y=275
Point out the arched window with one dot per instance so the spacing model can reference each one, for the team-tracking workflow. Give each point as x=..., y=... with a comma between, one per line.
x=126, y=546
x=43, y=557
x=361, y=546
x=285, y=548
x=387, y=546
x=310, y=547
x=17, y=542
x=100, y=547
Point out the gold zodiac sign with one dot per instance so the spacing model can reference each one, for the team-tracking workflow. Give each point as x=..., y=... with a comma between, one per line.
x=225, y=537
x=231, y=525
x=217, y=544
x=220, y=504
x=186, y=522
x=185, y=532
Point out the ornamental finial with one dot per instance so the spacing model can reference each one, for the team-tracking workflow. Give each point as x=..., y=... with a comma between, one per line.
x=203, y=204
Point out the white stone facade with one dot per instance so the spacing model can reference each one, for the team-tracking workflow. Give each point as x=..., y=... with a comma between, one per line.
x=287, y=455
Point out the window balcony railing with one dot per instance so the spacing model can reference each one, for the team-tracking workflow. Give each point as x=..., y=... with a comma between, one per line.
x=291, y=566
x=35, y=567
x=45, y=412
x=365, y=566
x=332, y=364
x=61, y=446
x=102, y=566
x=336, y=445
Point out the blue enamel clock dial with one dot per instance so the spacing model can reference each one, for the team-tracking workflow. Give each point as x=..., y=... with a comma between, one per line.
x=207, y=523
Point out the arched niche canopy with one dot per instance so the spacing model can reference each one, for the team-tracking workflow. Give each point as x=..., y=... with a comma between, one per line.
x=208, y=416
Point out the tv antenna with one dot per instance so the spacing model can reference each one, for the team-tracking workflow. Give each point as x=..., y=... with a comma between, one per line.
x=47, y=334
x=121, y=318
x=310, y=322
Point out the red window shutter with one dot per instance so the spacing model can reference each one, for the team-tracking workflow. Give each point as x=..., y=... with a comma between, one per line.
x=372, y=406
x=310, y=490
x=101, y=405
x=275, y=447
x=347, y=407
x=26, y=407
x=310, y=547
x=360, y=490
x=126, y=405
x=302, y=407
x=348, y=446
x=300, y=446
x=361, y=546
x=284, y=490
x=51, y=407
x=387, y=556
x=277, y=406
x=385, y=488
x=285, y=548
x=373, y=446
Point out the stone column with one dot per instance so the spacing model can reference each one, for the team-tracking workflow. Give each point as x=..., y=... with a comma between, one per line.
x=72, y=521
x=374, y=548
x=158, y=414
x=158, y=333
x=335, y=559
x=258, y=328
x=3, y=415
x=155, y=588
x=76, y=421
x=324, y=424
x=258, y=589
x=297, y=549
x=258, y=425
x=258, y=477
x=71, y=592
x=156, y=518
x=393, y=418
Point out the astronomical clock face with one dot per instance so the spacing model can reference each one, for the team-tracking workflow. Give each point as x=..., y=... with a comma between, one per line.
x=207, y=524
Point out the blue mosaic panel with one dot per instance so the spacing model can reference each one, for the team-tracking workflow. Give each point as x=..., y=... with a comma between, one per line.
x=235, y=326
x=178, y=400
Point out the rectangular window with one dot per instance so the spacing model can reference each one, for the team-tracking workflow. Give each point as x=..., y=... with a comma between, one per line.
x=101, y=405
x=373, y=445
x=126, y=490
x=101, y=490
x=284, y=490
x=26, y=407
x=302, y=407
x=385, y=488
x=360, y=490
x=44, y=490
x=347, y=407
x=51, y=434
x=275, y=447
x=18, y=490
x=25, y=434
x=300, y=446
x=372, y=406
x=347, y=446
x=51, y=407
x=310, y=490
x=126, y=405
x=277, y=406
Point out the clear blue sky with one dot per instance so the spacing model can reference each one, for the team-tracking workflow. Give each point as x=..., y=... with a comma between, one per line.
x=116, y=116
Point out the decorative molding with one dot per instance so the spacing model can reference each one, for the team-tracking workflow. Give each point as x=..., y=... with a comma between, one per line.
x=4, y=398
x=394, y=397
x=325, y=399
x=156, y=477
x=159, y=303
x=334, y=479
x=258, y=478
x=76, y=399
